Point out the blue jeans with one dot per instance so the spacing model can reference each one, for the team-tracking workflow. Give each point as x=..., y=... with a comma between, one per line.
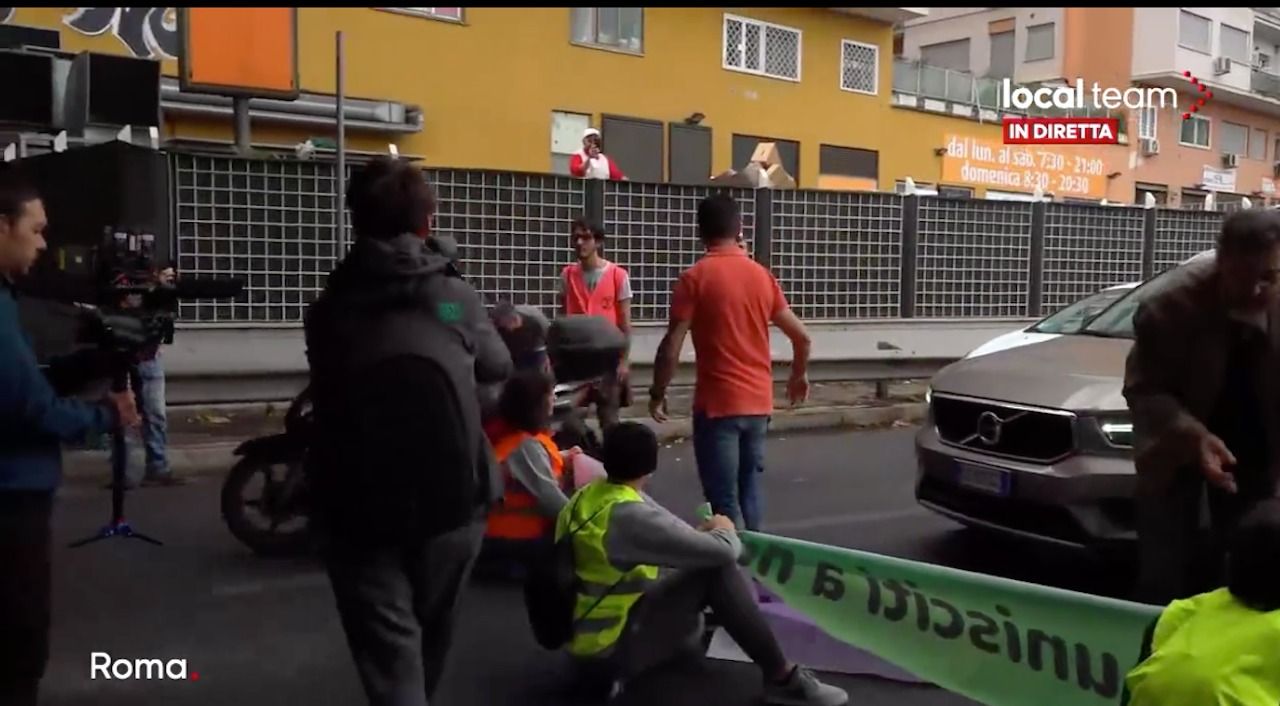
x=148, y=389
x=730, y=455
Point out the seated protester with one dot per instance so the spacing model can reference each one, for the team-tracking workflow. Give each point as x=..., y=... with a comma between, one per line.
x=1221, y=648
x=534, y=472
x=628, y=619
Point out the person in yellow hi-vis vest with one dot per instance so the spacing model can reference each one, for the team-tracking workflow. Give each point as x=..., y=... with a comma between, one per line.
x=1222, y=648
x=628, y=618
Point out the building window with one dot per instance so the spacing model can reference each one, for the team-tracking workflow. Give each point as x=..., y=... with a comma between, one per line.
x=1003, y=55
x=566, y=138
x=952, y=55
x=1158, y=192
x=1195, y=132
x=1258, y=145
x=1234, y=139
x=1193, y=199
x=1147, y=123
x=612, y=27
x=859, y=67
x=762, y=48
x=955, y=192
x=1040, y=42
x=1195, y=32
x=452, y=14
x=1234, y=44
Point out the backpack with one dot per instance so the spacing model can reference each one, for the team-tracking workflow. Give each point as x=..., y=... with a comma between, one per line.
x=551, y=590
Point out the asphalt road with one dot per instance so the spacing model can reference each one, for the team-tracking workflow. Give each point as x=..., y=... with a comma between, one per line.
x=266, y=632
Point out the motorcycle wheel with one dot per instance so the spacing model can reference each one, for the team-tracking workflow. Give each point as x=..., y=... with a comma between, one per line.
x=575, y=432
x=273, y=540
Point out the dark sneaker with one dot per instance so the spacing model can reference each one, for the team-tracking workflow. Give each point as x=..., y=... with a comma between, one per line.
x=166, y=479
x=802, y=688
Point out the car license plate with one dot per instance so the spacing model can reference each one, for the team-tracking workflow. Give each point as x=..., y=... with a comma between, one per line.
x=983, y=479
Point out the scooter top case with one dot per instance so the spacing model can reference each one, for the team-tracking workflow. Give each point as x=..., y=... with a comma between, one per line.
x=583, y=347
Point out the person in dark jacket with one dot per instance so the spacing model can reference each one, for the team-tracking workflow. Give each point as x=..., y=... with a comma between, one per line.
x=403, y=474
x=34, y=421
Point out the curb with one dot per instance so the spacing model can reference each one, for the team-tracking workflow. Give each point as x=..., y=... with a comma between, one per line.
x=218, y=457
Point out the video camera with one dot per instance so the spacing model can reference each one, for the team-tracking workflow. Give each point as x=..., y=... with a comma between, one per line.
x=110, y=242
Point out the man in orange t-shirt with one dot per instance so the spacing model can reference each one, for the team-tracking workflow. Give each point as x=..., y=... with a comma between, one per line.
x=727, y=301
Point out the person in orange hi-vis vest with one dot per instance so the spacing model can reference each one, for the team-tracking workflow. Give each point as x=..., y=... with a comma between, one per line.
x=597, y=287
x=535, y=474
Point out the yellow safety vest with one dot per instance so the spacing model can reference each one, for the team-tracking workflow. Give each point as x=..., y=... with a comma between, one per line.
x=1210, y=650
x=605, y=594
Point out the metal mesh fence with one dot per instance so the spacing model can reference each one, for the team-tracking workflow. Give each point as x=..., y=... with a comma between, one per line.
x=1181, y=234
x=1088, y=248
x=512, y=230
x=267, y=222
x=973, y=258
x=838, y=255
x=651, y=229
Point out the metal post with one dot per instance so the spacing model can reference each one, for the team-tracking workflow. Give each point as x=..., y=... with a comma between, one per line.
x=763, y=243
x=910, y=241
x=241, y=108
x=1035, y=273
x=339, y=212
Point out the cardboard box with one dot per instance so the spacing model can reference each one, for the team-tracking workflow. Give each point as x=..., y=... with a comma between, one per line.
x=767, y=154
x=777, y=178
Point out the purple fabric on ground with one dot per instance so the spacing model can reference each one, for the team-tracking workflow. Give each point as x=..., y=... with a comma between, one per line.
x=804, y=642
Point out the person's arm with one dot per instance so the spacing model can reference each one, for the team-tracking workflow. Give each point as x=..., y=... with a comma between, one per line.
x=493, y=360
x=1163, y=428
x=530, y=465
x=782, y=316
x=578, y=164
x=615, y=174
x=668, y=357
x=28, y=402
x=646, y=533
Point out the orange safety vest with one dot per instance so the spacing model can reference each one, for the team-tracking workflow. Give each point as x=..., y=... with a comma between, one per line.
x=517, y=516
x=602, y=301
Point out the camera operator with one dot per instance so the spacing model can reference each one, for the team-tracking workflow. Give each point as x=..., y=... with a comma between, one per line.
x=147, y=380
x=33, y=422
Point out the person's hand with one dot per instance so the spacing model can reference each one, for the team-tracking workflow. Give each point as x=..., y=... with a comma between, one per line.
x=593, y=151
x=717, y=522
x=658, y=408
x=798, y=389
x=1215, y=462
x=126, y=409
x=624, y=367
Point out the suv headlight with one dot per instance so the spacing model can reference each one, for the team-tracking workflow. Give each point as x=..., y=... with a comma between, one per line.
x=1117, y=432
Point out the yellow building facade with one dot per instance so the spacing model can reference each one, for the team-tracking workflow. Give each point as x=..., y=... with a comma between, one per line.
x=489, y=84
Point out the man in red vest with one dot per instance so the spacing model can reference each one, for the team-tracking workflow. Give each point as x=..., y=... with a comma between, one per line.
x=595, y=286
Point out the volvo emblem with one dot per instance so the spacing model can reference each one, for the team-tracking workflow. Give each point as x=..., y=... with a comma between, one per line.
x=990, y=427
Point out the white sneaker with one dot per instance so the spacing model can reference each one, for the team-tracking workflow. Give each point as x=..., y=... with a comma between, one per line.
x=802, y=688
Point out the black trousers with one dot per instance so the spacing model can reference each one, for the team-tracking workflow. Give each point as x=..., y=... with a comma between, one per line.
x=25, y=562
x=1178, y=558
x=398, y=606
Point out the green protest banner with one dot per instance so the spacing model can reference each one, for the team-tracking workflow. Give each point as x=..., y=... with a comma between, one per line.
x=997, y=641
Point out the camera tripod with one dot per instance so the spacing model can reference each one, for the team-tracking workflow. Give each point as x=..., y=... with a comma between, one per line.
x=117, y=527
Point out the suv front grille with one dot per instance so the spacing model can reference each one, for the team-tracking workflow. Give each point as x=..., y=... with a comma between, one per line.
x=1003, y=430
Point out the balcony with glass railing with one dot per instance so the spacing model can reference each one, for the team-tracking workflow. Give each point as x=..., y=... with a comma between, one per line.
x=982, y=94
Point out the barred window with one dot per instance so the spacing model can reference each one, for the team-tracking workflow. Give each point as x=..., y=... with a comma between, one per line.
x=761, y=48
x=859, y=67
x=1147, y=122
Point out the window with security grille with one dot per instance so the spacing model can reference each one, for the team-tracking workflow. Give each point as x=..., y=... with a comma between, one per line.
x=762, y=48
x=613, y=27
x=859, y=67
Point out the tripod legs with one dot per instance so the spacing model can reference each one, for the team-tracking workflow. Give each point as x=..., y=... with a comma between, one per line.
x=117, y=527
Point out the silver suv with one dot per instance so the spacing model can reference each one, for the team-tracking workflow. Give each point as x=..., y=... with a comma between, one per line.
x=1036, y=440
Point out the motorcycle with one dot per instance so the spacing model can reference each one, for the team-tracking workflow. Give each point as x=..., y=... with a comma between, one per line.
x=280, y=499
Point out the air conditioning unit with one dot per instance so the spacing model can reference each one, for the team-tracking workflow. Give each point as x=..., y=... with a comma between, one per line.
x=1150, y=147
x=1222, y=65
x=1230, y=161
